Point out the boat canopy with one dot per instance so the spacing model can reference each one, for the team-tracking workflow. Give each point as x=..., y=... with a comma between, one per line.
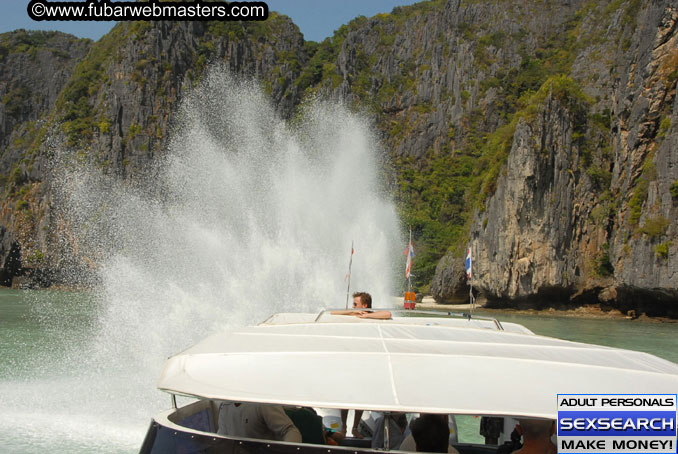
x=408, y=364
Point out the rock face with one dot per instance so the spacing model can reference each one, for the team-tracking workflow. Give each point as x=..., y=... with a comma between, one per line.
x=643, y=240
x=527, y=241
x=559, y=230
x=35, y=68
x=113, y=101
x=449, y=283
x=441, y=76
x=426, y=69
x=135, y=76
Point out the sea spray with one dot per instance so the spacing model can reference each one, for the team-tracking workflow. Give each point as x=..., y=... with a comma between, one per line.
x=245, y=216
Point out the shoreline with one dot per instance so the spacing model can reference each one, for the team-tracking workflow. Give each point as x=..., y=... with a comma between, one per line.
x=592, y=311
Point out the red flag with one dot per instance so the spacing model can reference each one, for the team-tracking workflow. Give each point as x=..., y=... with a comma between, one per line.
x=409, y=252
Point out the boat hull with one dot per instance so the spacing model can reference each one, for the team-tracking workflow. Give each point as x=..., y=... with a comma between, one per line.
x=161, y=439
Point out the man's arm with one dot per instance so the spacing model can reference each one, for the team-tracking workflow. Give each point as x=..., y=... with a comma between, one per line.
x=280, y=424
x=379, y=315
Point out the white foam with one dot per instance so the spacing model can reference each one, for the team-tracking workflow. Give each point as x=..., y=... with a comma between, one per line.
x=246, y=216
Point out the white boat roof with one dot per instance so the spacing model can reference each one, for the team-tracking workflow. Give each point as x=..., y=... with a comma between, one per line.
x=408, y=364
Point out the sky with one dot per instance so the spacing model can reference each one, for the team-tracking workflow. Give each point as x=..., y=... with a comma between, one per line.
x=317, y=19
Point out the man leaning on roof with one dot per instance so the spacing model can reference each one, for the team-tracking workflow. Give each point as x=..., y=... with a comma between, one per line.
x=363, y=300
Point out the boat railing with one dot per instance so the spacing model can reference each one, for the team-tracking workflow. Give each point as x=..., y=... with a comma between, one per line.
x=419, y=312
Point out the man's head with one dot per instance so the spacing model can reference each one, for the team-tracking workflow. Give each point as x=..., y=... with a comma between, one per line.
x=362, y=300
x=431, y=433
x=535, y=429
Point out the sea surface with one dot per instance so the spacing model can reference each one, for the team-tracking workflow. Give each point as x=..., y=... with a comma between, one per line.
x=60, y=392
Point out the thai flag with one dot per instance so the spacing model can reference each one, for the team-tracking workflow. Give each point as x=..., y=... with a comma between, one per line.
x=410, y=255
x=469, y=263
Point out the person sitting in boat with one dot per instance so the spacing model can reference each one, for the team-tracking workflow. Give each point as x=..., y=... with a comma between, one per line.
x=430, y=433
x=310, y=425
x=363, y=300
x=397, y=431
x=536, y=436
x=260, y=421
x=491, y=428
x=357, y=416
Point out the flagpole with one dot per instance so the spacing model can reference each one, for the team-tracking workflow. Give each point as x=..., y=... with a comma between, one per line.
x=469, y=273
x=409, y=276
x=471, y=300
x=348, y=289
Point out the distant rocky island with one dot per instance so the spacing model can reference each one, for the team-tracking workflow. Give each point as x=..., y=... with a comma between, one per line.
x=542, y=134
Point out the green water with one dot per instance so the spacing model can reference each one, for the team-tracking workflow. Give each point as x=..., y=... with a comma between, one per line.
x=37, y=328
x=52, y=397
x=657, y=338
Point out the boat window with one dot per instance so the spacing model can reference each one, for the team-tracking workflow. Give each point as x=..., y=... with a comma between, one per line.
x=484, y=430
x=319, y=426
x=469, y=429
x=198, y=415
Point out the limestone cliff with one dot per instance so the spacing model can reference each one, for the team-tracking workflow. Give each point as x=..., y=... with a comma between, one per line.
x=112, y=103
x=35, y=68
x=585, y=207
x=439, y=76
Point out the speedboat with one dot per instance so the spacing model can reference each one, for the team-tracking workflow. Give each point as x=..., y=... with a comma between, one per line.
x=415, y=362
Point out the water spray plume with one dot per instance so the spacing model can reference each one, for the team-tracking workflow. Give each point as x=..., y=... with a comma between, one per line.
x=246, y=216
